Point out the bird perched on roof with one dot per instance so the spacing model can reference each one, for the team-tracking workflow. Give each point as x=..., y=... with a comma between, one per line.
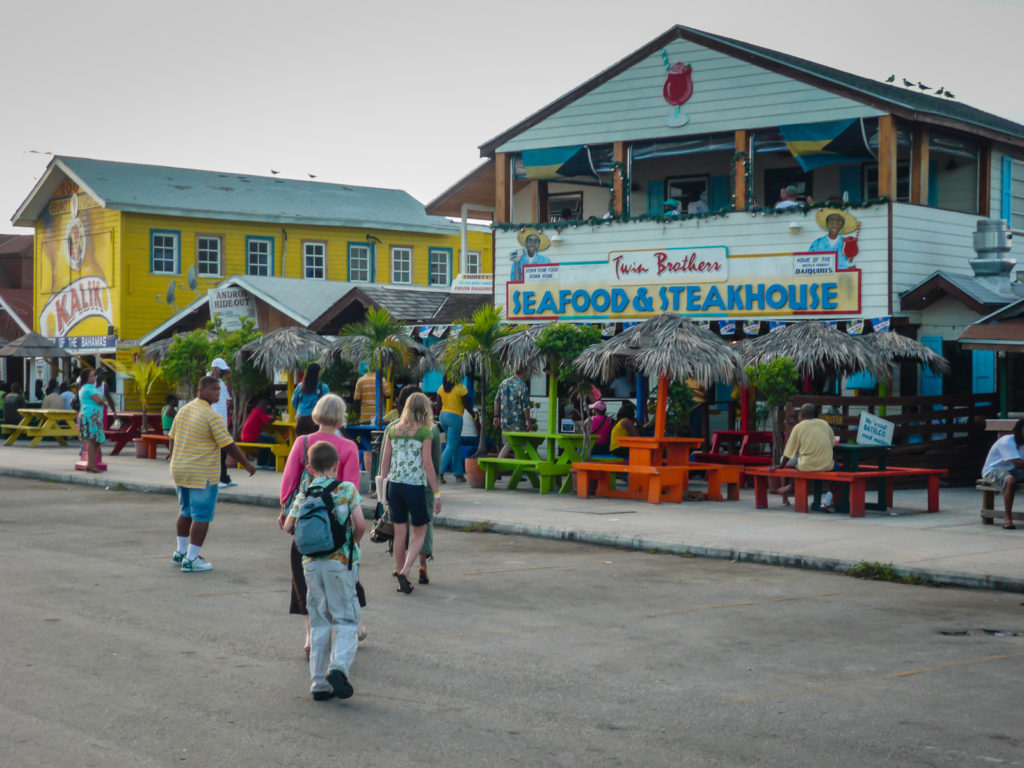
x=311, y=175
x=923, y=87
x=274, y=172
x=949, y=95
x=907, y=83
x=940, y=91
x=891, y=79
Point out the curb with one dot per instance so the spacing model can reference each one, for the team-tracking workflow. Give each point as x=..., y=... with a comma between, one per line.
x=456, y=523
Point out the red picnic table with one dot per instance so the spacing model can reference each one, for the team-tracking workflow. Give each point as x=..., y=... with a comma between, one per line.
x=131, y=427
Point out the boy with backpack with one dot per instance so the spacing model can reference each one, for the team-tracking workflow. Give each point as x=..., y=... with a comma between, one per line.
x=328, y=525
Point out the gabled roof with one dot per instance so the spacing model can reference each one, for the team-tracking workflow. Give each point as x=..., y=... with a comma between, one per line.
x=899, y=101
x=169, y=191
x=320, y=305
x=977, y=294
x=16, y=245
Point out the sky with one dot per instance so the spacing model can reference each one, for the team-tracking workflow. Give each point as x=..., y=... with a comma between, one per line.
x=401, y=94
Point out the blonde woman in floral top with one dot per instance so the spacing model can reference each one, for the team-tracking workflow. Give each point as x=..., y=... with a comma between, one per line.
x=408, y=466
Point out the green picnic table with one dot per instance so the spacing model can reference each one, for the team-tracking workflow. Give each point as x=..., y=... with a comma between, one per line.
x=562, y=451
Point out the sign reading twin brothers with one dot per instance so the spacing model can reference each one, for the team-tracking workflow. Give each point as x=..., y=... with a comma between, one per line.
x=700, y=282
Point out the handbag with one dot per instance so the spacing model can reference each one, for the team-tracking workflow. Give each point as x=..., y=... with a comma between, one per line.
x=383, y=529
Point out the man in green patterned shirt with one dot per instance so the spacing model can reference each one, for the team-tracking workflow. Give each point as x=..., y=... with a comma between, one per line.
x=512, y=408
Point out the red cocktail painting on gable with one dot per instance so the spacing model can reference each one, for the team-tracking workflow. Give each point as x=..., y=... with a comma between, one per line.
x=677, y=90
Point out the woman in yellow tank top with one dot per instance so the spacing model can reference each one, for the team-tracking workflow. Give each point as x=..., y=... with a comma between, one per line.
x=625, y=426
x=454, y=400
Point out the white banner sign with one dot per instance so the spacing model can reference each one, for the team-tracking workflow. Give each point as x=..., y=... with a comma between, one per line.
x=874, y=431
x=465, y=283
x=231, y=304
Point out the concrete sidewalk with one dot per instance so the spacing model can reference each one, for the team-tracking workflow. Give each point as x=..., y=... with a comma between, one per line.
x=949, y=547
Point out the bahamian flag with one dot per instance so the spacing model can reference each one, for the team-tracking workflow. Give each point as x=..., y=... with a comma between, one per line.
x=814, y=145
x=556, y=163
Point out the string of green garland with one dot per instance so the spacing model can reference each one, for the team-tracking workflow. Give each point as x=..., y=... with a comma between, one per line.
x=594, y=221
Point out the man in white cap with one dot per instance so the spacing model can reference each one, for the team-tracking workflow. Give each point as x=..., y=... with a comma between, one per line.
x=219, y=370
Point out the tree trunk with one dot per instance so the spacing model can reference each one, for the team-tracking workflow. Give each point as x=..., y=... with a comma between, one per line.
x=481, y=447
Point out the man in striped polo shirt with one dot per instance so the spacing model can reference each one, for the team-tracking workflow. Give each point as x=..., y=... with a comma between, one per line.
x=197, y=437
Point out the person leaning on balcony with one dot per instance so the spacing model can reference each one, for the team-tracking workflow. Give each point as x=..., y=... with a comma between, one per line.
x=809, y=449
x=1004, y=467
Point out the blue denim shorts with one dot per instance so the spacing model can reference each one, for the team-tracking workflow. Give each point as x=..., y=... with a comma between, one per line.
x=198, y=503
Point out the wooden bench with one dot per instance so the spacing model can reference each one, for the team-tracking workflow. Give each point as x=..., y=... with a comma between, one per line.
x=280, y=451
x=988, y=503
x=541, y=474
x=655, y=483
x=857, y=482
x=152, y=441
x=718, y=475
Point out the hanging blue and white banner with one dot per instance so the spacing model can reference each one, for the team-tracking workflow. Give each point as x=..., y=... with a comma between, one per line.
x=855, y=327
x=705, y=324
x=629, y=324
x=751, y=327
x=880, y=323
x=425, y=331
x=776, y=325
x=608, y=330
x=834, y=324
x=438, y=330
x=456, y=330
x=727, y=327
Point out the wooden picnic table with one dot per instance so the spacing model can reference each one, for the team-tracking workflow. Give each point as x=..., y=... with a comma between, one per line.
x=43, y=422
x=660, y=451
x=562, y=451
x=131, y=428
x=283, y=430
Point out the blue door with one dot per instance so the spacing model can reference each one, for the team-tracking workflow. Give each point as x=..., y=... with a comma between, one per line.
x=931, y=384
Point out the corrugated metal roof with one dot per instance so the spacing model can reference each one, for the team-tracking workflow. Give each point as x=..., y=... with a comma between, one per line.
x=243, y=197
x=893, y=98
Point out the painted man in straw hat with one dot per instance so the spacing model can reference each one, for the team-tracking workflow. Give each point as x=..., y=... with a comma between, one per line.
x=838, y=225
x=533, y=241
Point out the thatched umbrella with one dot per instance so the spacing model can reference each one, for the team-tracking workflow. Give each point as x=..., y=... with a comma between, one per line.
x=32, y=344
x=896, y=348
x=816, y=349
x=669, y=348
x=284, y=349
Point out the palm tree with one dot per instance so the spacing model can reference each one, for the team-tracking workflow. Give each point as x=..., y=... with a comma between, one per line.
x=382, y=341
x=144, y=374
x=474, y=350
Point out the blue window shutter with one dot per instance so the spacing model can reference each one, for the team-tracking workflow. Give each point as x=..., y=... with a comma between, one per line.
x=851, y=181
x=718, y=193
x=931, y=384
x=1006, y=190
x=983, y=371
x=655, y=198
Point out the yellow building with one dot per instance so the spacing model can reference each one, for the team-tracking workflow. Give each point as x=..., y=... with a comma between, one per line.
x=120, y=247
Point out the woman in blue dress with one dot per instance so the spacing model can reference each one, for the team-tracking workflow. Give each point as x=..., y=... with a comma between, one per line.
x=304, y=400
x=90, y=419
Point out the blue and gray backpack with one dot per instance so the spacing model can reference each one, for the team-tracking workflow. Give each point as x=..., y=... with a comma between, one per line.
x=318, y=533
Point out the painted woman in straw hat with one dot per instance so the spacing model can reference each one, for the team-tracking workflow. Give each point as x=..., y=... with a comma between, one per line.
x=838, y=225
x=533, y=241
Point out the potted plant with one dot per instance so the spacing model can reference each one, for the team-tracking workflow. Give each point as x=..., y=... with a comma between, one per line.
x=473, y=350
x=776, y=384
x=143, y=374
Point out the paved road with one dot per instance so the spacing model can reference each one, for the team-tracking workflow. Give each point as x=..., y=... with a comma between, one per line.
x=520, y=652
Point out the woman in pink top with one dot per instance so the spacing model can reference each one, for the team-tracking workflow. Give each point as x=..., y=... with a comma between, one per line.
x=329, y=414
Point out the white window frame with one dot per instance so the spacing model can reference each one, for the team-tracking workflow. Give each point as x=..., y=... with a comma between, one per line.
x=403, y=252
x=472, y=263
x=268, y=242
x=170, y=242
x=1016, y=218
x=355, y=272
x=203, y=250
x=447, y=255
x=312, y=261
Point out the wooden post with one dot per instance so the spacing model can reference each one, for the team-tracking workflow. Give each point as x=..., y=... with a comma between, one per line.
x=619, y=156
x=662, y=407
x=502, y=203
x=887, y=157
x=919, y=166
x=740, y=170
x=985, y=179
x=290, y=390
x=539, y=199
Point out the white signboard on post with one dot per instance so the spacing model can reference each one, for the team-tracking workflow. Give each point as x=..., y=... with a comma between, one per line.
x=231, y=304
x=874, y=431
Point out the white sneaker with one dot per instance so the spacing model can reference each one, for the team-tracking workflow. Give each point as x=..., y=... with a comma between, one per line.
x=178, y=557
x=195, y=566
x=227, y=485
